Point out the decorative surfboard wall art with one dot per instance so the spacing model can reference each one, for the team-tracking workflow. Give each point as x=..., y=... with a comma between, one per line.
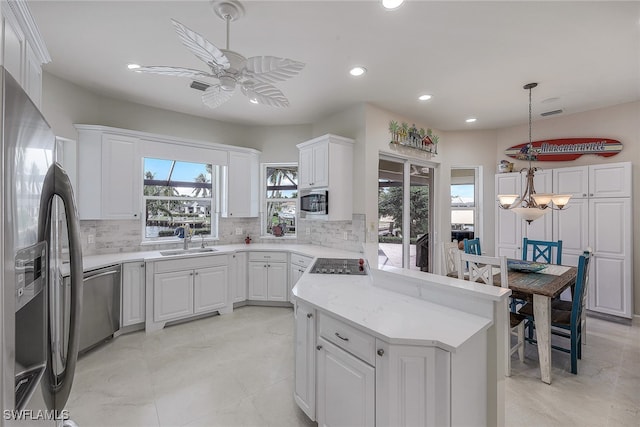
x=564, y=149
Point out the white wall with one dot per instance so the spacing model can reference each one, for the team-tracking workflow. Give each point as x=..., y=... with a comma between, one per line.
x=621, y=122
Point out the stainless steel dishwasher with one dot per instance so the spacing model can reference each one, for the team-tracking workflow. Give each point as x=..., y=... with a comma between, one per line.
x=100, y=306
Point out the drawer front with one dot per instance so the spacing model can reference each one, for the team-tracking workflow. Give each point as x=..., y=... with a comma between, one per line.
x=353, y=340
x=301, y=260
x=268, y=256
x=190, y=263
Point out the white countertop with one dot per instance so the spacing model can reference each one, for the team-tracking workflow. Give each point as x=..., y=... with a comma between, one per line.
x=391, y=316
x=92, y=262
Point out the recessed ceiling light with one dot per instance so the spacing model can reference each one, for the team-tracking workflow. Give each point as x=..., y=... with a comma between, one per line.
x=133, y=66
x=424, y=97
x=392, y=4
x=471, y=120
x=357, y=71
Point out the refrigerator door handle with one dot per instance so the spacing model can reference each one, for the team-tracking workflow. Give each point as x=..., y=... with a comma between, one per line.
x=57, y=387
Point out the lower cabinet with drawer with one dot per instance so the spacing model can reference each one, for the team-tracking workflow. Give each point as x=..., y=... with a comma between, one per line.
x=356, y=379
x=188, y=287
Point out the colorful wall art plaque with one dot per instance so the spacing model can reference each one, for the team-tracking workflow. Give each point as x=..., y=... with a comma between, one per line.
x=564, y=149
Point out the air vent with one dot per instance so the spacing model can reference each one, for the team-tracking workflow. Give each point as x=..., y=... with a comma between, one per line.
x=199, y=85
x=547, y=113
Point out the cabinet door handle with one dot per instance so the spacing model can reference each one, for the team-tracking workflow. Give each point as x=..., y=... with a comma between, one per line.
x=380, y=352
x=309, y=315
x=318, y=347
x=341, y=337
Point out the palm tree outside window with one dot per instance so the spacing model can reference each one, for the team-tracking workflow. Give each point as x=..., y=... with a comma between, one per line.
x=177, y=194
x=281, y=200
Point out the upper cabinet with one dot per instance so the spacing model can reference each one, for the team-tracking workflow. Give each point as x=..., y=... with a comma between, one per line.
x=326, y=163
x=22, y=51
x=241, y=185
x=109, y=175
x=604, y=180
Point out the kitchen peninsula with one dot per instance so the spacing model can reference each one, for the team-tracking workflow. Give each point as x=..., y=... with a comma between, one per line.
x=399, y=348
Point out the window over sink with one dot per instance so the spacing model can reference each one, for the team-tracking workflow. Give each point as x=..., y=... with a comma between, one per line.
x=178, y=194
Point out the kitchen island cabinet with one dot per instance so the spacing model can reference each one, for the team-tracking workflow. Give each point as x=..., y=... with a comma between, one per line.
x=395, y=348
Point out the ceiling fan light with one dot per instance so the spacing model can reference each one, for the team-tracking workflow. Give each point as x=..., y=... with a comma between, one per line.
x=227, y=83
x=133, y=66
x=253, y=100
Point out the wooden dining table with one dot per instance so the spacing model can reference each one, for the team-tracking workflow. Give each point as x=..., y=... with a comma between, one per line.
x=542, y=286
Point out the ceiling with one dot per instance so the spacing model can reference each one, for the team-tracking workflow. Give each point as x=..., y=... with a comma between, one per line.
x=472, y=57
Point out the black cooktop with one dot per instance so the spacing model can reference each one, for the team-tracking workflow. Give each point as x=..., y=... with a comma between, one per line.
x=339, y=266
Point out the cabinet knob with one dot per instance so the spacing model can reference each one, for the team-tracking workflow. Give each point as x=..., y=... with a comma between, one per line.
x=142, y=265
x=590, y=194
x=196, y=273
x=318, y=347
x=380, y=352
x=135, y=215
x=191, y=274
x=265, y=266
x=584, y=195
x=309, y=315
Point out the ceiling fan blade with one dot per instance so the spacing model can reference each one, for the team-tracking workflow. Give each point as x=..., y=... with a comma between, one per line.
x=214, y=96
x=173, y=71
x=271, y=69
x=201, y=47
x=267, y=94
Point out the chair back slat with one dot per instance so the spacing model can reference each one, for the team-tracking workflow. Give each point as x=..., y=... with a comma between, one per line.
x=542, y=250
x=481, y=268
x=472, y=246
x=449, y=250
x=580, y=290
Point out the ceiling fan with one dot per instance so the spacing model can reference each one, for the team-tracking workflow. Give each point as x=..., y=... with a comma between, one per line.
x=253, y=75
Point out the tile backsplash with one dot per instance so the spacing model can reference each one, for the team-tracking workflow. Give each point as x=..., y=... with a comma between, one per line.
x=112, y=236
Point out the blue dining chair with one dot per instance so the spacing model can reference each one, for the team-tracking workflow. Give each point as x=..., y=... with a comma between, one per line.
x=568, y=324
x=472, y=246
x=542, y=250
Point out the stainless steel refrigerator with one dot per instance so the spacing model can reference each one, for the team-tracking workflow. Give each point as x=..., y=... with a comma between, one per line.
x=40, y=231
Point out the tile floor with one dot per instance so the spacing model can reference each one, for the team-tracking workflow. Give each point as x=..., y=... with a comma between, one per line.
x=237, y=370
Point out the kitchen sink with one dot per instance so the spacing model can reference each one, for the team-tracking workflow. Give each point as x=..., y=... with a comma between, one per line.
x=187, y=251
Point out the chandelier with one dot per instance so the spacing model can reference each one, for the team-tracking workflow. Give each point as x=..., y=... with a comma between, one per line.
x=531, y=205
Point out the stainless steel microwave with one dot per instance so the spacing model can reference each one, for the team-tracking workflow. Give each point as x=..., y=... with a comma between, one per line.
x=314, y=202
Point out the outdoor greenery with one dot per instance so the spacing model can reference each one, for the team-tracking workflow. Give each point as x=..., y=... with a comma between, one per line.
x=390, y=205
x=282, y=190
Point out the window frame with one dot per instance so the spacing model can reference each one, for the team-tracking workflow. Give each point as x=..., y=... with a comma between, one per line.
x=264, y=200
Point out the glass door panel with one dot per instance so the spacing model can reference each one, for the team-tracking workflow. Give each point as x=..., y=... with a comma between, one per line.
x=390, y=213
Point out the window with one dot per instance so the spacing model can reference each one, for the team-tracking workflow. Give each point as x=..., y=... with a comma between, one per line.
x=463, y=204
x=281, y=199
x=177, y=194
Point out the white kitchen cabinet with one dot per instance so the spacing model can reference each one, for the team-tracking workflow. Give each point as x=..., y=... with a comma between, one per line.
x=240, y=279
x=297, y=267
x=268, y=276
x=173, y=295
x=22, y=49
x=182, y=288
x=314, y=164
x=109, y=175
x=305, y=359
x=346, y=388
x=412, y=385
x=210, y=288
x=241, y=195
x=599, y=217
x=133, y=289
x=121, y=172
x=327, y=162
